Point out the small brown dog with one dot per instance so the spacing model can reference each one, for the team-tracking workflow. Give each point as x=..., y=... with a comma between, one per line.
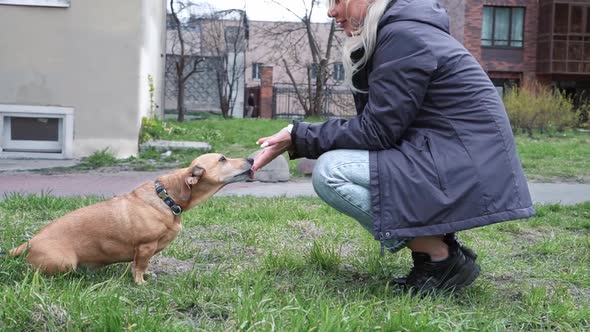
x=132, y=227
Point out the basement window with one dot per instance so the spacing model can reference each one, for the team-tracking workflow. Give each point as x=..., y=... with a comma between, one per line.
x=39, y=3
x=36, y=131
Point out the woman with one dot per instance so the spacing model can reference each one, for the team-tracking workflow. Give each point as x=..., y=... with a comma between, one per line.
x=430, y=152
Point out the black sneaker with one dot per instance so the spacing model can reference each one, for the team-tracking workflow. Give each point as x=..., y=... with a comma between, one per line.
x=452, y=274
x=452, y=241
x=454, y=244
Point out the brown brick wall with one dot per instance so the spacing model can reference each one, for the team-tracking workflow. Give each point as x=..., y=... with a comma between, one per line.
x=266, y=92
x=524, y=65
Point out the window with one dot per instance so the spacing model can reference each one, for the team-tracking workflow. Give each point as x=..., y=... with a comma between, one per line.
x=313, y=71
x=502, y=26
x=338, y=74
x=36, y=131
x=256, y=70
x=41, y=3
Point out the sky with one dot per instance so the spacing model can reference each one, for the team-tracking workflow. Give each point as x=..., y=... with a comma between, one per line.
x=269, y=10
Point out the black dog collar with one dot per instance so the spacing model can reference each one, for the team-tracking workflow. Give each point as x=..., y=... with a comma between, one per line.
x=163, y=194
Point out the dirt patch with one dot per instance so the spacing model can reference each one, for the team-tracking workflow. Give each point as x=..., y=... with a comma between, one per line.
x=307, y=229
x=532, y=235
x=163, y=265
x=208, y=247
x=348, y=250
x=202, y=242
x=500, y=278
x=580, y=294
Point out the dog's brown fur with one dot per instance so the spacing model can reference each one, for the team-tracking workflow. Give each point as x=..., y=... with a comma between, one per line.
x=132, y=227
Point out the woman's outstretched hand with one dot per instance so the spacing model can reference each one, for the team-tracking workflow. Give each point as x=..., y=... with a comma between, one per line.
x=273, y=146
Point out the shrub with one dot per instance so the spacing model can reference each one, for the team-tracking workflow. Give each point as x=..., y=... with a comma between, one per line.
x=151, y=128
x=583, y=115
x=535, y=106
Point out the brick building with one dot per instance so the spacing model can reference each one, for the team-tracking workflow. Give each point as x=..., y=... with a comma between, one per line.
x=516, y=40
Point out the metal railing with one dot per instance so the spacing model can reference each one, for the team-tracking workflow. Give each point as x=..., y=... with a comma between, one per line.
x=338, y=102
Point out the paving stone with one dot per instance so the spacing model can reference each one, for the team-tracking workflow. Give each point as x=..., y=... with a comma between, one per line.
x=178, y=145
x=275, y=171
x=305, y=166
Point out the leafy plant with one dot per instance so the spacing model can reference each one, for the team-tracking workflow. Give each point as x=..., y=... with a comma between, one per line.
x=98, y=159
x=151, y=128
x=324, y=256
x=152, y=89
x=535, y=106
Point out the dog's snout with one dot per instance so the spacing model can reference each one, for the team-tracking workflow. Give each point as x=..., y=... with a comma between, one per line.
x=250, y=160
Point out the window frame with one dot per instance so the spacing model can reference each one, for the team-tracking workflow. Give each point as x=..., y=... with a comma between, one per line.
x=493, y=40
x=37, y=3
x=256, y=70
x=66, y=132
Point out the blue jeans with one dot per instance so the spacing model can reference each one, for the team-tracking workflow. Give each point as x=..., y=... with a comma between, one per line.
x=342, y=179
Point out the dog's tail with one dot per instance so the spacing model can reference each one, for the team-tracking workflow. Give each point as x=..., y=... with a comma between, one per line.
x=18, y=250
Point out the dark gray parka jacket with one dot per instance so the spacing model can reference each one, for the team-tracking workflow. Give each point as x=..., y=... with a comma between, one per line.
x=442, y=153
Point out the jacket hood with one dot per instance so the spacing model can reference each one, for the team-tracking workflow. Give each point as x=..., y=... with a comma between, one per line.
x=424, y=11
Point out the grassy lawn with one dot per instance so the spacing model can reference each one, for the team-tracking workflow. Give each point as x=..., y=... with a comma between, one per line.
x=556, y=157
x=245, y=264
x=550, y=157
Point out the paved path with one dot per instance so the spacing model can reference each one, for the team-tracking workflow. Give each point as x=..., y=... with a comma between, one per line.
x=109, y=184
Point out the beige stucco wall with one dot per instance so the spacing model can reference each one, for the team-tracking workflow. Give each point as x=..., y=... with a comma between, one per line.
x=94, y=56
x=271, y=42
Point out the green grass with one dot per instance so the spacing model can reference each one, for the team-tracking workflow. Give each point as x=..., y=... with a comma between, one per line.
x=550, y=157
x=244, y=264
x=556, y=156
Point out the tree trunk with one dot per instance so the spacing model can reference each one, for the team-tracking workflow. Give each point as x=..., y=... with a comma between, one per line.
x=180, y=89
x=180, y=101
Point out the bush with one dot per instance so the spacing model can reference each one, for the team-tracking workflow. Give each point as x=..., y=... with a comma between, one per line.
x=535, y=106
x=583, y=115
x=151, y=128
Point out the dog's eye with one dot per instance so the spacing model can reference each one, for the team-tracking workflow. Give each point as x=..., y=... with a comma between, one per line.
x=222, y=158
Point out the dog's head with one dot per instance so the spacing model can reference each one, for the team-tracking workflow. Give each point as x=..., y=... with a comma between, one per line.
x=205, y=176
x=215, y=169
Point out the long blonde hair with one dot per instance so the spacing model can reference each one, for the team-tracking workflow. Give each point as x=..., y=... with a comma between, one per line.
x=363, y=38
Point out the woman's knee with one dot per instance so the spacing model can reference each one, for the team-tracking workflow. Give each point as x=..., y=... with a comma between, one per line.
x=323, y=170
x=340, y=167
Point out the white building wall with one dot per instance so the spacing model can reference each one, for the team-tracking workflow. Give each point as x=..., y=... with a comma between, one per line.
x=94, y=57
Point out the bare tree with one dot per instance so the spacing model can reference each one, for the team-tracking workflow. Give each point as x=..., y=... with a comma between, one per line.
x=225, y=36
x=183, y=44
x=198, y=33
x=304, y=50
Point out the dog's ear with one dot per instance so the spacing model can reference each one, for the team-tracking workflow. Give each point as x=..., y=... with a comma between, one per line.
x=190, y=180
x=194, y=176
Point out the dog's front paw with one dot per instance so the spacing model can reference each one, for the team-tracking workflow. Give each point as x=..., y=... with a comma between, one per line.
x=139, y=279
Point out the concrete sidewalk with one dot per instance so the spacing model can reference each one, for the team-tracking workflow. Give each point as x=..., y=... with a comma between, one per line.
x=110, y=184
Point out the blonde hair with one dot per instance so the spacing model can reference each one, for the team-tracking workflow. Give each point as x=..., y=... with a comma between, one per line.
x=363, y=38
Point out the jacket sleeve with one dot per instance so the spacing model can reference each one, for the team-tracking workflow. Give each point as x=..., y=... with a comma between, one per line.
x=402, y=67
